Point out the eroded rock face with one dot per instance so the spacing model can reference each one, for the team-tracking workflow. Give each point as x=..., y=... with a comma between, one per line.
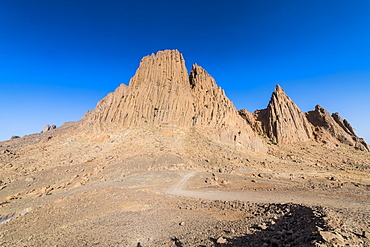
x=158, y=93
x=282, y=121
x=333, y=128
x=217, y=116
x=286, y=123
x=256, y=120
x=161, y=93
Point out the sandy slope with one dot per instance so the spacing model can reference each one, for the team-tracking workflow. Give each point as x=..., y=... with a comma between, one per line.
x=170, y=187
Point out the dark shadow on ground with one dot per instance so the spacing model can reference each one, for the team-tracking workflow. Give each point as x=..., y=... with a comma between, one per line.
x=296, y=227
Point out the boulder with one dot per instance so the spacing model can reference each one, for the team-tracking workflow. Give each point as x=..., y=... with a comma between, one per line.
x=48, y=128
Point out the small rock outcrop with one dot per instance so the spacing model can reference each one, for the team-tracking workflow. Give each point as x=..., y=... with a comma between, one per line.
x=282, y=121
x=162, y=93
x=48, y=128
x=333, y=128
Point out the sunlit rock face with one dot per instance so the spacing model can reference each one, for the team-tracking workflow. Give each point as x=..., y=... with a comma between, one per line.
x=282, y=121
x=333, y=128
x=162, y=93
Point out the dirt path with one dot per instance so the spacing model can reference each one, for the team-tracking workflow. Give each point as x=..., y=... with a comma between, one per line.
x=299, y=197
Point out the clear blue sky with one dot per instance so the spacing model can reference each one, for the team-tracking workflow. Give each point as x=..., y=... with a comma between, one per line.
x=59, y=57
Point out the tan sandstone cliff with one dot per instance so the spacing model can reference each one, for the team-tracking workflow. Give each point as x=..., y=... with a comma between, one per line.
x=161, y=93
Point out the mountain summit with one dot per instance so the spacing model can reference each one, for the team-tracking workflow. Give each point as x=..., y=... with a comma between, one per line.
x=162, y=93
x=283, y=122
x=167, y=160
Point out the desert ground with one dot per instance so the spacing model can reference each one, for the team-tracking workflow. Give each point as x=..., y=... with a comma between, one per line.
x=163, y=186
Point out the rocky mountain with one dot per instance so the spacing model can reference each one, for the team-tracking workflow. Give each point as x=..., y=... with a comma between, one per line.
x=162, y=93
x=283, y=122
x=333, y=128
x=167, y=160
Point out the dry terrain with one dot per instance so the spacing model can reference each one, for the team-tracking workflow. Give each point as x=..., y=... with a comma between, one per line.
x=168, y=160
x=164, y=186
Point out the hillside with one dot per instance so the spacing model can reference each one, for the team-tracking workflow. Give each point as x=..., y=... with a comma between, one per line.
x=167, y=160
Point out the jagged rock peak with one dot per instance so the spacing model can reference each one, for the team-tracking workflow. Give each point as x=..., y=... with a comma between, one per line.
x=278, y=89
x=285, y=122
x=217, y=116
x=211, y=106
x=333, y=128
x=158, y=93
x=161, y=93
x=163, y=67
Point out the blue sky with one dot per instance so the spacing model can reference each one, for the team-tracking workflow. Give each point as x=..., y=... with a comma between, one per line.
x=59, y=57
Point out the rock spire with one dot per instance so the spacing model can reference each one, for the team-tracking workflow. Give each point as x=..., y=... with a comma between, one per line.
x=282, y=120
x=162, y=93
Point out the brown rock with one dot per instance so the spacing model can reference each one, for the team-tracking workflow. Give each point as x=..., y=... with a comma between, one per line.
x=13, y=197
x=48, y=128
x=332, y=237
x=282, y=121
x=254, y=119
x=216, y=115
x=262, y=226
x=333, y=128
x=161, y=93
x=30, y=178
x=225, y=181
x=221, y=240
x=63, y=185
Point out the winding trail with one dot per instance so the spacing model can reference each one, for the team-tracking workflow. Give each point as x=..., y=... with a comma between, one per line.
x=6, y=218
x=178, y=189
x=312, y=198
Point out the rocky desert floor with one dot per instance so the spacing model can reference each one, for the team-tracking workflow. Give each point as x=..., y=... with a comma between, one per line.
x=173, y=187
